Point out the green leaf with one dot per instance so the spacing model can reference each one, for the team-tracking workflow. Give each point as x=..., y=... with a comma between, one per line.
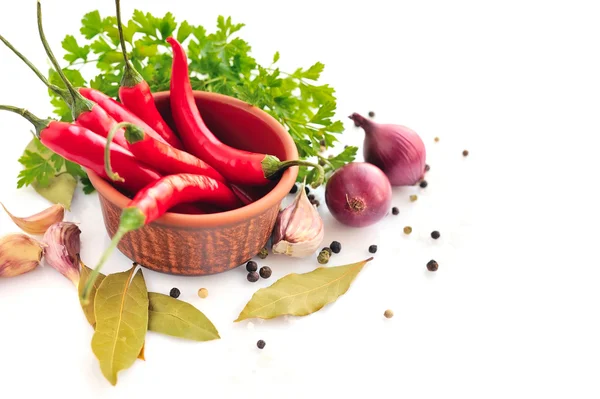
x=336, y=127
x=146, y=22
x=121, y=312
x=88, y=188
x=167, y=25
x=312, y=73
x=74, y=51
x=173, y=317
x=323, y=116
x=185, y=29
x=92, y=25
x=101, y=46
x=302, y=294
x=88, y=309
x=276, y=57
x=346, y=156
x=37, y=169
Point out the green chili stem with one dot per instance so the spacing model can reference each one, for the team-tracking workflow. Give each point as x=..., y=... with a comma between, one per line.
x=321, y=172
x=120, y=27
x=40, y=124
x=107, y=167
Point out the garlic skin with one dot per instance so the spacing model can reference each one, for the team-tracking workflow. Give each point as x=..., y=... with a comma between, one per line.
x=40, y=222
x=299, y=229
x=19, y=254
x=63, y=244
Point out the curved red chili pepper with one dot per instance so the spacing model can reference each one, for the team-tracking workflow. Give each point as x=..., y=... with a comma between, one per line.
x=154, y=200
x=136, y=95
x=238, y=167
x=120, y=113
x=166, y=159
x=84, y=147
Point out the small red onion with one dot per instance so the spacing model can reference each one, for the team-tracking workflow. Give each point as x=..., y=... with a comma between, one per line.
x=358, y=194
x=395, y=149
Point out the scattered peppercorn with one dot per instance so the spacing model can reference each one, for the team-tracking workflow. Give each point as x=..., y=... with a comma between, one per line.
x=252, y=277
x=311, y=197
x=261, y=344
x=388, y=314
x=264, y=252
x=436, y=139
x=373, y=249
x=251, y=266
x=323, y=257
x=316, y=203
x=203, y=293
x=435, y=234
x=336, y=247
x=371, y=114
x=265, y=272
x=465, y=153
x=307, y=190
x=322, y=142
x=432, y=265
x=395, y=211
x=294, y=189
x=328, y=250
x=175, y=292
x=427, y=167
x=407, y=230
x=423, y=183
x=413, y=198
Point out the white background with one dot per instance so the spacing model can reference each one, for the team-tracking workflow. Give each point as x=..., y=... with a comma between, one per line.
x=513, y=309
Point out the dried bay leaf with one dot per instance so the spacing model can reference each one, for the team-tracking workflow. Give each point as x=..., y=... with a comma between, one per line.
x=121, y=313
x=88, y=309
x=177, y=318
x=301, y=294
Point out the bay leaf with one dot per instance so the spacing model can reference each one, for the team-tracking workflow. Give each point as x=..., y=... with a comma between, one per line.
x=61, y=188
x=301, y=294
x=88, y=309
x=121, y=312
x=177, y=318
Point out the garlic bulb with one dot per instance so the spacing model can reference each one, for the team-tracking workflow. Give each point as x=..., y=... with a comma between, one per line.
x=19, y=254
x=299, y=229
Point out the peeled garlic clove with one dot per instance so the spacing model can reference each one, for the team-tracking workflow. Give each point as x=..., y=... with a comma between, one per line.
x=298, y=230
x=62, y=247
x=38, y=224
x=19, y=254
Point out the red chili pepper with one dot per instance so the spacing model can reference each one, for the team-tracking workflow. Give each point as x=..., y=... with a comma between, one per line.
x=154, y=200
x=135, y=94
x=85, y=112
x=84, y=147
x=119, y=112
x=163, y=157
x=238, y=167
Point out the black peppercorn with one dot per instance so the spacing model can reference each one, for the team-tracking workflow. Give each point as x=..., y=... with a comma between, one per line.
x=316, y=203
x=371, y=114
x=336, y=247
x=432, y=265
x=265, y=272
x=395, y=210
x=465, y=153
x=427, y=167
x=175, y=292
x=322, y=142
x=373, y=249
x=307, y=190
x=251, y=266
x=311, y=197
x=294, y=189
x=423, y=183
x=261, y=344
x=252, y=277
x=435, y=234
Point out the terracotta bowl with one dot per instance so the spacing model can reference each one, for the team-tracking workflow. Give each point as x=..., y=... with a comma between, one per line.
x=207, y=244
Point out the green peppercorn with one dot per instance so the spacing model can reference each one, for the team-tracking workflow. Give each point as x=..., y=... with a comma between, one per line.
x=265, y=272
x=251, y=266
x=407, y=230
x=435, y=234
x=373, y=249
x=423, y=183
x=175, y=292
x=264, y=252
x=336, y=247
x=252, y=277
x=413, y=198
x=395, y=211
x=432, y=265
x=261, y=344
x=328, y=250
x=323, y=257
x=294, y=189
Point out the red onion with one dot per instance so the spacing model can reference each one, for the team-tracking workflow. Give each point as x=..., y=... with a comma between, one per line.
x=358, y=194
x=397, y=150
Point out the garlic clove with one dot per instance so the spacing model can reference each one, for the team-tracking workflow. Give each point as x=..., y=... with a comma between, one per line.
x=299, y=228
x=63, y=244
x=19, y=254
x=38, y=224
